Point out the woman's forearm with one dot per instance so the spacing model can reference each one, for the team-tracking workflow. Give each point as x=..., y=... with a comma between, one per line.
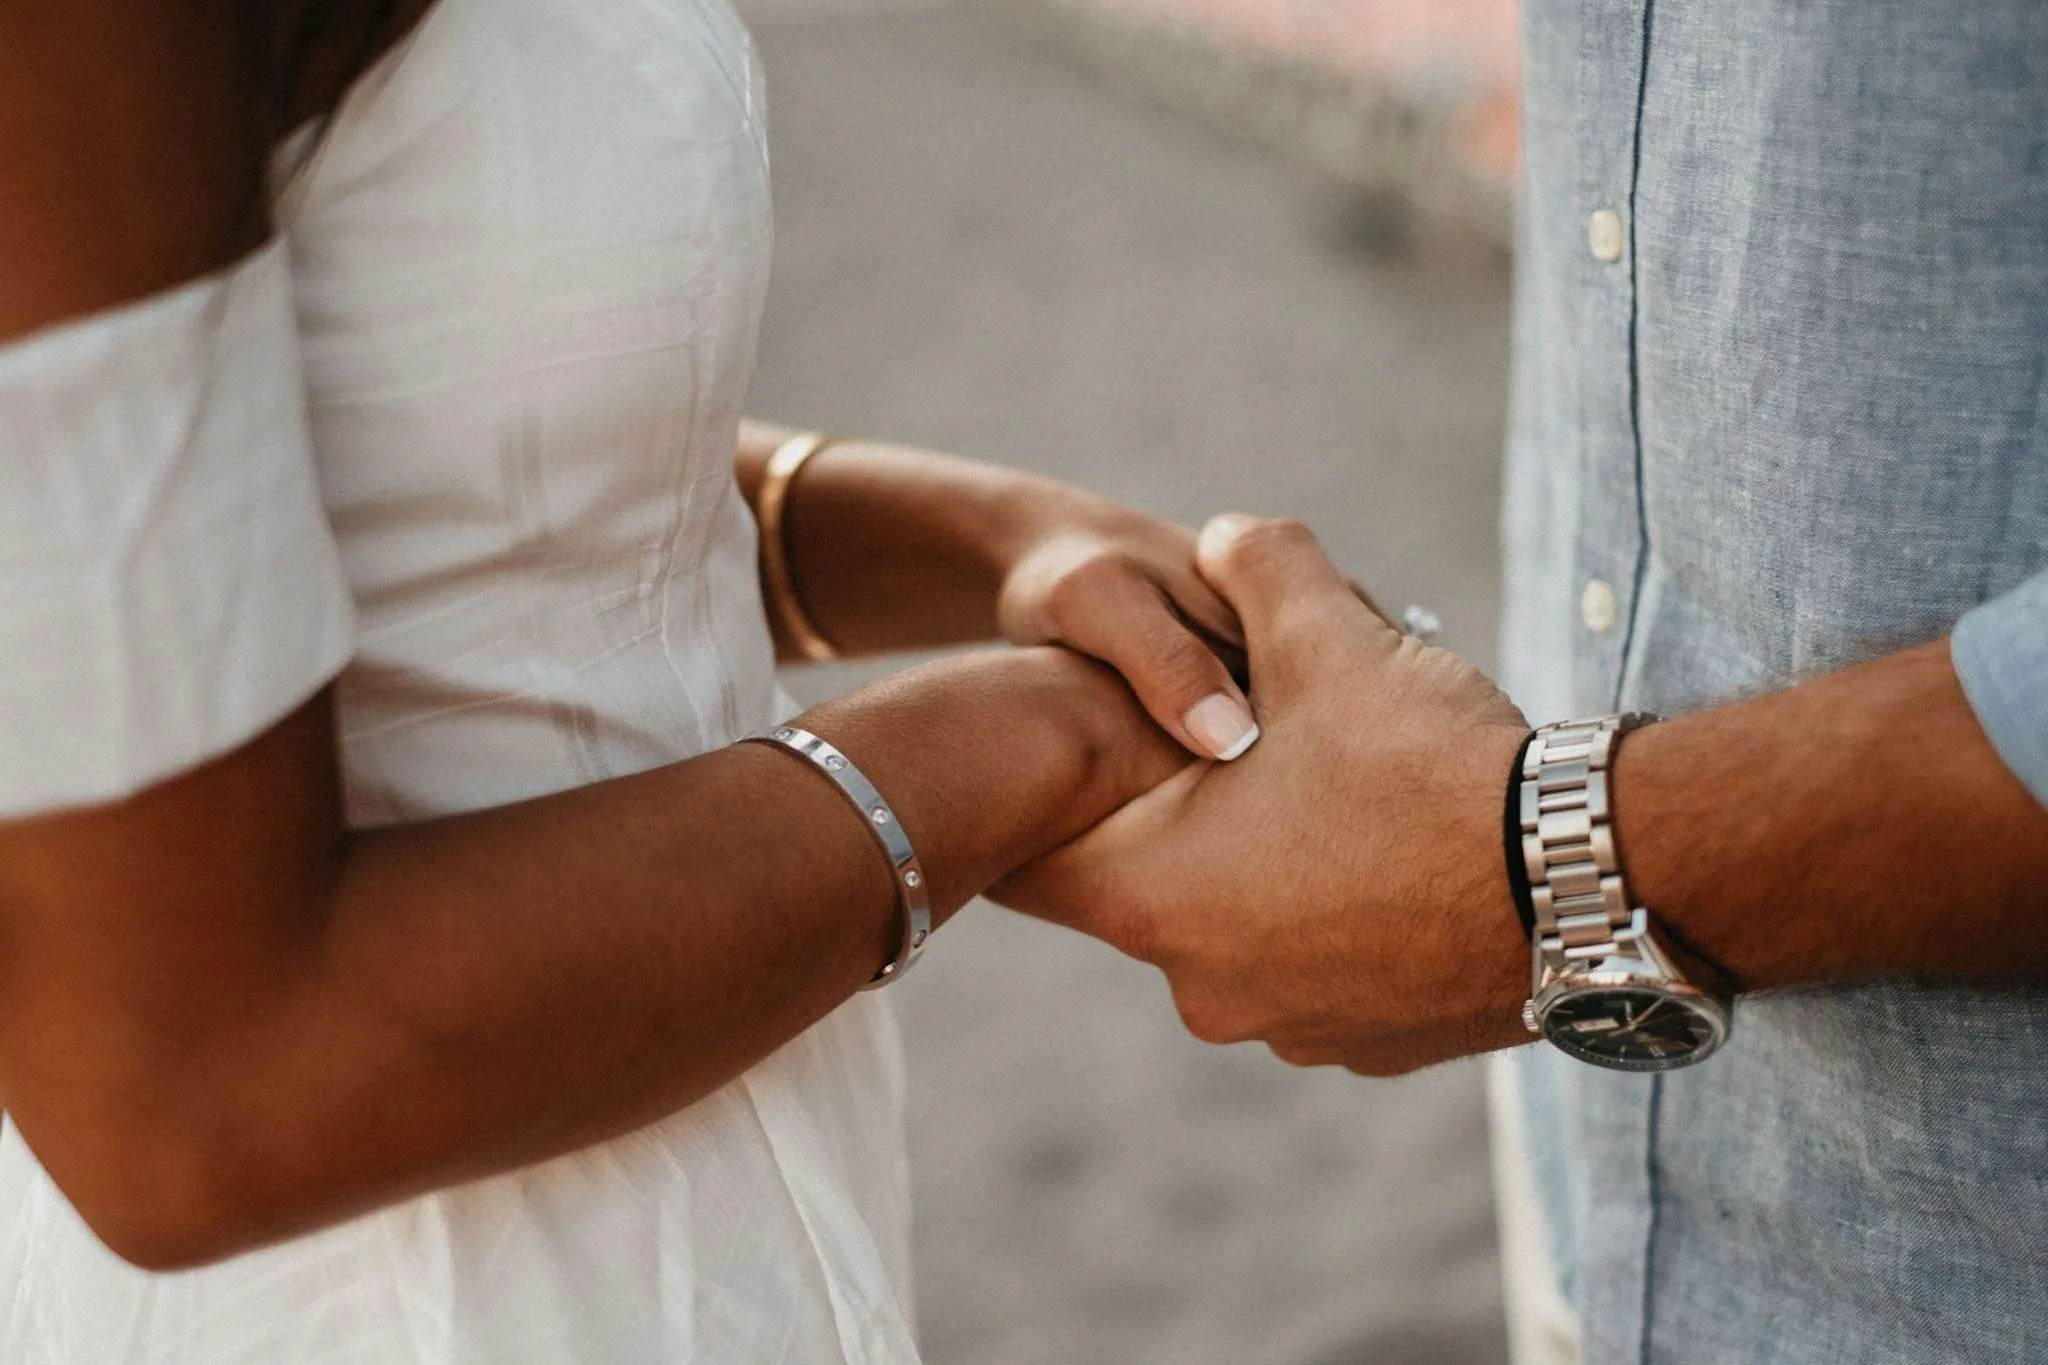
x=894, y=548
x=484, y=991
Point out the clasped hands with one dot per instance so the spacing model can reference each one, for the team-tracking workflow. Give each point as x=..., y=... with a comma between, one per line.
x=1339, y=892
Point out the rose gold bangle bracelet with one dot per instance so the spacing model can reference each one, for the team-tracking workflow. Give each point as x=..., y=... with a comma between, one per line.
x=783, y=602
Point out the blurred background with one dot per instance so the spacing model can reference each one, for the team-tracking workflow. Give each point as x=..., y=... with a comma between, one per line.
x=1198, y=255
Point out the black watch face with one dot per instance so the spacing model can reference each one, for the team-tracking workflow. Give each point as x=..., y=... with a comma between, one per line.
x=1633, y=1028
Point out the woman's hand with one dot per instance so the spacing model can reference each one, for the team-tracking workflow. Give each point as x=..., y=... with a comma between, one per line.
x=892, y=548
x=1121, y=586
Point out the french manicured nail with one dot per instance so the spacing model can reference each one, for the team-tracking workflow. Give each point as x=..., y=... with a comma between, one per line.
x=1221, y=724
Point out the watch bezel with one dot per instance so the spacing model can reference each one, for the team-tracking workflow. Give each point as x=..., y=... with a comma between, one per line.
x=1631, y=977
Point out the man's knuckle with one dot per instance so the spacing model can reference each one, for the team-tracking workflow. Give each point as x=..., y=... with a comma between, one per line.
x=1265, y=543
x=1377, y=1065
x=1133, y=930
x=1275, y=551
x=1196, y=1014
x=1290, y=531
x=1211, y=1018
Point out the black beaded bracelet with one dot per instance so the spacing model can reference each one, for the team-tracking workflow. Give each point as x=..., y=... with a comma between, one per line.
x=1511, y=840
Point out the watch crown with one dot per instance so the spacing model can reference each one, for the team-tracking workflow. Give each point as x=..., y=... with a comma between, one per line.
x=1529, y=1017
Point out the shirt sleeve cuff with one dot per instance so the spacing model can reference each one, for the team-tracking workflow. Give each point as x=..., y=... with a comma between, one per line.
x=2001, y=655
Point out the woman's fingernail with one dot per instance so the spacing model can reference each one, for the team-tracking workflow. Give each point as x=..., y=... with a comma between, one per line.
x=1221, y=724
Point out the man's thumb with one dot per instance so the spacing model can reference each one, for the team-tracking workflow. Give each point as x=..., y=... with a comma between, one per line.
x=1269, y=570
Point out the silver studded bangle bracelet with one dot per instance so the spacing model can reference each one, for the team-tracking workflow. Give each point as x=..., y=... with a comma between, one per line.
x=913, y=905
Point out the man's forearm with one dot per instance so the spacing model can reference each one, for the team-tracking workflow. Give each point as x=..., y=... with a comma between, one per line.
x=1857, y=825
x=1343, y=895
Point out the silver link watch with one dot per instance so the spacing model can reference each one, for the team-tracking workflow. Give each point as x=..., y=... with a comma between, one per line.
x=1600, y=988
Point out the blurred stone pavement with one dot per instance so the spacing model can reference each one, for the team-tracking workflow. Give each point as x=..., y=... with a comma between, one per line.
x=984, y=249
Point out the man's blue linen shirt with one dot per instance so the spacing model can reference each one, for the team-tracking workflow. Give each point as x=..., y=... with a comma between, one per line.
x=1784, y=406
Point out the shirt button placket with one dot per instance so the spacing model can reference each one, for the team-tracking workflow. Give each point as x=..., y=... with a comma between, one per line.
x=1606, y=241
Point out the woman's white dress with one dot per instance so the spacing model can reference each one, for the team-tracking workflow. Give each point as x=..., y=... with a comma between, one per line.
x=518, y=278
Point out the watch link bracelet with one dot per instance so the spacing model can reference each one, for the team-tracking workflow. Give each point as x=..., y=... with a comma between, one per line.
x=1600, y=988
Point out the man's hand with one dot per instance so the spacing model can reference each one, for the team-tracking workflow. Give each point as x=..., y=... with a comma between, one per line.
x=1340, y=893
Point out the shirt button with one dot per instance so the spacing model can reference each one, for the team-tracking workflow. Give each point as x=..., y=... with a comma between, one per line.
x=1603, y=235
x=1596, y=606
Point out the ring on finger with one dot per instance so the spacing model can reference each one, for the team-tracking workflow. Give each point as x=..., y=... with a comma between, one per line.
x=1421, y=622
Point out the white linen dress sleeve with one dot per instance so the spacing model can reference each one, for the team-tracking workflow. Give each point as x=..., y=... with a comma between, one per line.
x=169, y=583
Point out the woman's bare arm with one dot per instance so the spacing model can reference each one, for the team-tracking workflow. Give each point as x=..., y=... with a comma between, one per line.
x=223, y=1020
